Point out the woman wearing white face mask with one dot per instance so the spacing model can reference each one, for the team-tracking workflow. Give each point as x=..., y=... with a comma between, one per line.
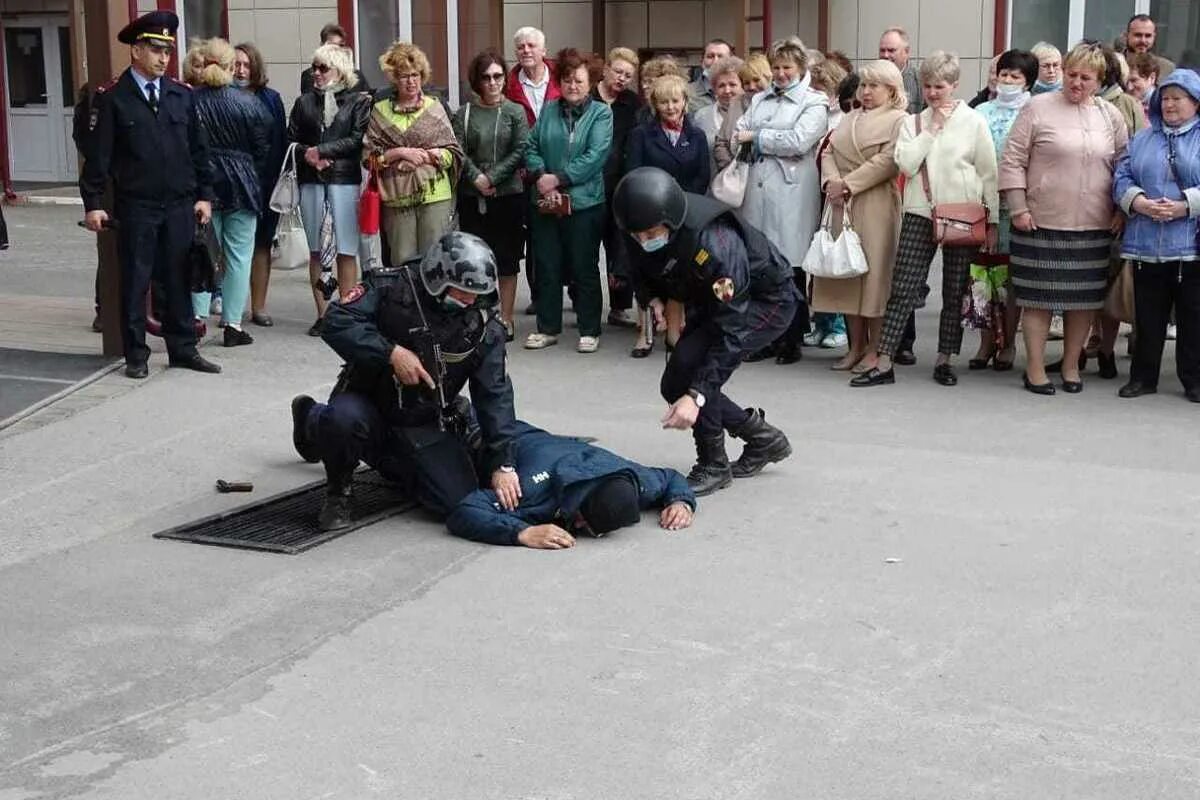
x=781, y=131
x=990, y=310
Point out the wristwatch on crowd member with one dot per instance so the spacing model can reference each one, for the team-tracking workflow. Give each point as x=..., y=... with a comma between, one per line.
x=508, y=469
x=698, y=397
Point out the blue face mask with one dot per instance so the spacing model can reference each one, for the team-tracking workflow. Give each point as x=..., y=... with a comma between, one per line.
x=1042, y=86
x=655, y=244
x=241, y=83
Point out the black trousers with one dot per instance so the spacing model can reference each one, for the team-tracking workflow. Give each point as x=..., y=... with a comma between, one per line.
x=767, y=321
x=433, y=467
x=801, y=323
x=153, y=243
x=1156, y=288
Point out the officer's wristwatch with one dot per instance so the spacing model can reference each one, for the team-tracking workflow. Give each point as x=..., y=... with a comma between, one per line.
x=508, y=468
x=698, y=397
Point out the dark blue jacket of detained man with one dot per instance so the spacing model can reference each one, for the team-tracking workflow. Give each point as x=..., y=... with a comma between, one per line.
x=558, y=475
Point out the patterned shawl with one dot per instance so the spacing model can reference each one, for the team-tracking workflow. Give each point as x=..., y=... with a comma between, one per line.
x=401, y=181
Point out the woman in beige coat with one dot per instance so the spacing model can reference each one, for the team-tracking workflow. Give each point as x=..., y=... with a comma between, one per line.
x=859, y=168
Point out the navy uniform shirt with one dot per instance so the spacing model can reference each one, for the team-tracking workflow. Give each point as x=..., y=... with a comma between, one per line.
x=154, y=159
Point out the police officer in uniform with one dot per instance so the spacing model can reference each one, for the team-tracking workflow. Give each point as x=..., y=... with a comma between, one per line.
x=144, y=133
x=738, y=293
x=410, y=346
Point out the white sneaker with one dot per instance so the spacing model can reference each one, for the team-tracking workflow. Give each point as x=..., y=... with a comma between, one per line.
x=1171, y=331
x=539, y=341
x=812, y=339
x=214, y=308
x=833, y=341
x=588, y=344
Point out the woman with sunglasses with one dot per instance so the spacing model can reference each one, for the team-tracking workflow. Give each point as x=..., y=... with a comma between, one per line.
x=327, y=125
x=493, y=133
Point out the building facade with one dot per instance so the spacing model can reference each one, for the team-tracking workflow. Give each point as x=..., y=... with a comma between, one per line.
x=44, y=59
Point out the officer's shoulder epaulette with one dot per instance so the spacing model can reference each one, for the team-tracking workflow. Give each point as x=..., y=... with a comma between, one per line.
x=104, y=87
x=176, y=82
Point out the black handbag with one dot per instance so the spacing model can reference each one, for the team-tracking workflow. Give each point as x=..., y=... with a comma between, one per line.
x=204, y=259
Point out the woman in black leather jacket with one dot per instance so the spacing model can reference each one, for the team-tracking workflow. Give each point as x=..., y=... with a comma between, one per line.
x=327, y=126
x=237, y=127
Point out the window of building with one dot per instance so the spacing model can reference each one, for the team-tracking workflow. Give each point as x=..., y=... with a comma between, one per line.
x=1105, y=20
x=25, y=53
x=1178, y=27
x=378, y=27
x=1036, y=21
x=203, y=19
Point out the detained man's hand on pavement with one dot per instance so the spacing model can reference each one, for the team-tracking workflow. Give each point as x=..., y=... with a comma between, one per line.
x=676, y=516
x=546, y=537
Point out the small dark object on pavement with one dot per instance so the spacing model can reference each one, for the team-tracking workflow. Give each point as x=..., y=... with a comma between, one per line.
x=224, y=486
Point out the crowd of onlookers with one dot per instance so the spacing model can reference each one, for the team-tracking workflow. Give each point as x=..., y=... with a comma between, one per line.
x=1083, y=169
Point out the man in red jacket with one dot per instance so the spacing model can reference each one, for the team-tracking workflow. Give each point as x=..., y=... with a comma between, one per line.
x=531, y=84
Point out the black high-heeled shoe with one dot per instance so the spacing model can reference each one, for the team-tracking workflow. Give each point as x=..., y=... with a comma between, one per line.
x=1108, y=365
x=1046, y=388
x=980, y=363
x=789, y=353
x=641, y=352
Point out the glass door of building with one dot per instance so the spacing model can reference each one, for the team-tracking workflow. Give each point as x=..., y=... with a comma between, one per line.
x=40, y=88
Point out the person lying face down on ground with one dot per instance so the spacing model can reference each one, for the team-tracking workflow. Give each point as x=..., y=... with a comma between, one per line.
x=568, y=488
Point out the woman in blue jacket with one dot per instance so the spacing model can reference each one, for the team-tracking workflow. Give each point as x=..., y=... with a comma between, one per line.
x=1157, y=183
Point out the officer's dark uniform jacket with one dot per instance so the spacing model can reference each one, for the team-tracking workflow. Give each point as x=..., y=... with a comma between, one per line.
x=556, y=473
x=717, y=264
x=364, y=328
x=154, y=159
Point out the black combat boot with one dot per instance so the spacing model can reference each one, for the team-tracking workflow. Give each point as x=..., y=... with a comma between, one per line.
x=337, y=512
x=711, y=471
x=765, y=444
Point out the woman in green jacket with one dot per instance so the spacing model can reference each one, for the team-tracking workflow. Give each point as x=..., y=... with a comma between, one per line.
x=566, y=157
x=491, y=201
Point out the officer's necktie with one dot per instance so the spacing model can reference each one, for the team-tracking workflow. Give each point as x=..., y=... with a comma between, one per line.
x=152, y=97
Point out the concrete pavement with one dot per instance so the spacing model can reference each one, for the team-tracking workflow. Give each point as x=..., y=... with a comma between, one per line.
x=945, y=593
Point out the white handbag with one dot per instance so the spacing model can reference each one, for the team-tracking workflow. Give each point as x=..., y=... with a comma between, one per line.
x=285, y=197
x=729, y=186
x=842, y=257
x=290, y=248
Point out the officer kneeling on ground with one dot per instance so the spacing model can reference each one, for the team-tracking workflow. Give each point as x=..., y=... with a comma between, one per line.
x=738, y=294
x=571, y=488
x=409, y=351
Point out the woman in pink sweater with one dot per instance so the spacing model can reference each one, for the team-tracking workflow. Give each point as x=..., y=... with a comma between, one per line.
x=1057, y=173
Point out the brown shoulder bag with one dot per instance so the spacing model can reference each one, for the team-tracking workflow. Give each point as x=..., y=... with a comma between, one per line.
x=955, y=224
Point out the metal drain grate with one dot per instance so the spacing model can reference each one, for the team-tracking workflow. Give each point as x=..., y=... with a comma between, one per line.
x=287, y=523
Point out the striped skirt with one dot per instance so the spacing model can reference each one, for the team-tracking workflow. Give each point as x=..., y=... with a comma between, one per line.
x=1060, y=270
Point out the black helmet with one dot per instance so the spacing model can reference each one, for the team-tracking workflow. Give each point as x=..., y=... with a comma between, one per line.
x=461, y=260
x=648, y=196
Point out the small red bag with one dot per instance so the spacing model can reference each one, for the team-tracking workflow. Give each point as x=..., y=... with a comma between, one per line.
x=369, y=206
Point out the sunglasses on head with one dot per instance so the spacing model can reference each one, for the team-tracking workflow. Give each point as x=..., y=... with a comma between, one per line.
x=320, y=68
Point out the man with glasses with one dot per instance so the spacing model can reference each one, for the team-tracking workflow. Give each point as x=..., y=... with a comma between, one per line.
x=145, y=134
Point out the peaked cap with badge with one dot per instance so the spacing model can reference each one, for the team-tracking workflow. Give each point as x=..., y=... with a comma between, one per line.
x=157, y=27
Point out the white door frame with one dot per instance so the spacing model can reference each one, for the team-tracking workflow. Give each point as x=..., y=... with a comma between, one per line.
x=56, y=112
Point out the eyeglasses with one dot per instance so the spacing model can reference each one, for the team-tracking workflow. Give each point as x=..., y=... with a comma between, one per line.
x=320, y=68
x=409, y=76
x=493, y=76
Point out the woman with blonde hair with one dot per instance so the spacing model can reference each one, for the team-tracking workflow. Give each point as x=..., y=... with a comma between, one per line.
x=651, y=71
x=755, y=76
x=410, y=144
x=237, y=127
x=1050, y=68
x=858, y=171
x=1057, y=175
x=327, y=125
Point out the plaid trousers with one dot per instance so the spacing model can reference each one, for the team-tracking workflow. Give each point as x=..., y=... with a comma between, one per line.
x=914, y=254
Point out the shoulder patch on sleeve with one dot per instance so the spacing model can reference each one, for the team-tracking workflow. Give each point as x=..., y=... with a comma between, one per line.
x=702, y=257
x=723, y=288
x=354, y=295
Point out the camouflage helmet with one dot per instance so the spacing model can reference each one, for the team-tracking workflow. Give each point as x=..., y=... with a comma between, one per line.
x=461, y=260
